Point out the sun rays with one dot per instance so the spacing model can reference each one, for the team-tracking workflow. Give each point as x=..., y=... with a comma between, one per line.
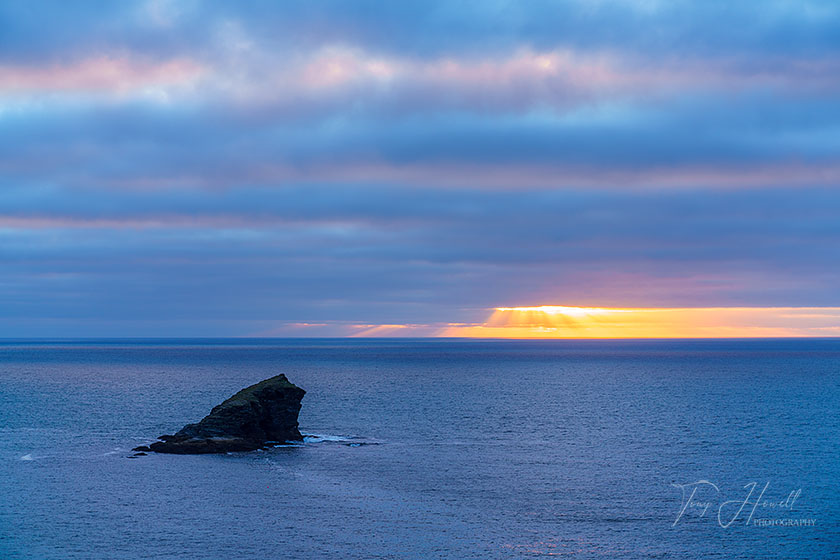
x=549, y=321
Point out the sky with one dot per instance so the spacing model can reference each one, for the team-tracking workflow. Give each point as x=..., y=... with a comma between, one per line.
x=332, y=168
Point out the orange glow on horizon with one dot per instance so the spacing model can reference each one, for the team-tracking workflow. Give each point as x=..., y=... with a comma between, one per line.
x=550, y=321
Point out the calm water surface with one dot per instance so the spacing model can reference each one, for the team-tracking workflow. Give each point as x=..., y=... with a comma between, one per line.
x=472, y=449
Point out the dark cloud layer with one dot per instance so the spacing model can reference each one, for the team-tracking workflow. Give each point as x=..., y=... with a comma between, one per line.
x=217, y=168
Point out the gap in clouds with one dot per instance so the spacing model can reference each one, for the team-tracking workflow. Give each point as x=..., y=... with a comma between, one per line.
x=569, y=322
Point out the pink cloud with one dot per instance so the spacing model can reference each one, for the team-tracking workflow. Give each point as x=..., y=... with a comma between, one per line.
x=515, y=176
x=521, y=77
x=164, y=221
x=488, y=175
x=101, y=74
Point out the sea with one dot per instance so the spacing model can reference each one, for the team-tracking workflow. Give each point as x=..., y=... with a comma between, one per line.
x=427, y=448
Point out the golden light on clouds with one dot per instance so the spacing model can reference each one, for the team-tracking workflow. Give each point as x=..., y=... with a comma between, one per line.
x=694, y=322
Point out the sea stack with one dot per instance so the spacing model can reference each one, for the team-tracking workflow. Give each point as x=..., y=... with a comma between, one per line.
x=254, y=417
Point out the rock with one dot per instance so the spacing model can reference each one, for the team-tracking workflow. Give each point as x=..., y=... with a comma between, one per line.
x=141, y=448
x=256, y=415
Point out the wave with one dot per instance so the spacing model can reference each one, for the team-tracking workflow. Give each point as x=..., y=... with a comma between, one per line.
x=350, y=441
x=285, y=444
x=321, y=438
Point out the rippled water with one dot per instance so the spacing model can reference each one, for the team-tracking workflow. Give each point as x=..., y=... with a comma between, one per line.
x=469, y=449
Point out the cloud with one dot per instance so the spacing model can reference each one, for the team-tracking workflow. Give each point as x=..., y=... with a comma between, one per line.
x=103, y=75
x=375, y=255
x=240, y=168
x=753, y=142
x=524, y=78
x=327, y=79
x=145, y=101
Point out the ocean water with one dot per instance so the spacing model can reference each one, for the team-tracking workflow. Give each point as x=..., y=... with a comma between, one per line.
x=428, y=449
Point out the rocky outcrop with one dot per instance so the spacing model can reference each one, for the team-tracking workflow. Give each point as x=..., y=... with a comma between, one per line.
x=251, y=419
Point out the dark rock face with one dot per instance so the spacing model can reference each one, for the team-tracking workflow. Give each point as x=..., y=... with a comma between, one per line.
x=262, y=413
